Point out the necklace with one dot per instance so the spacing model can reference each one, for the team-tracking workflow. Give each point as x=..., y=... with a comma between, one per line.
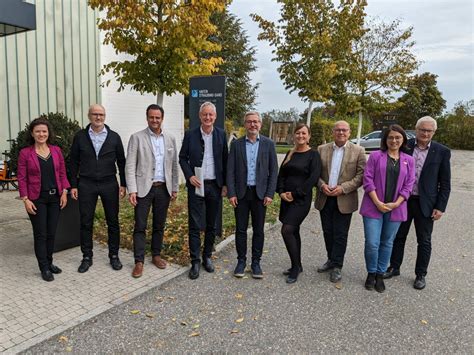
x=394, y=161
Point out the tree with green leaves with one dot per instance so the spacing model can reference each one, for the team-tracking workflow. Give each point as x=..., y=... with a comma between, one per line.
x=238, y=63
x=164, y=39
x=312, y=41
x=380, y=64
x=422, y=98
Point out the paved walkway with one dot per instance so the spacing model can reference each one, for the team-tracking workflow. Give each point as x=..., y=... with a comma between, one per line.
x=219, y=313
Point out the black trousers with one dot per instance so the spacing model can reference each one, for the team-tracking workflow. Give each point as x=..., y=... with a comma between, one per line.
x=196, y=207
x=253, y=206
x=159, y=198
x=423, y=228
x=335, y=229
x=89, y=191
x=44, y=223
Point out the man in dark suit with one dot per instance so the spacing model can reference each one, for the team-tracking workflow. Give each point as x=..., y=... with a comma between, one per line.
x=95, y=153
x=204, y=147
x=252, y=173
x=428, y=200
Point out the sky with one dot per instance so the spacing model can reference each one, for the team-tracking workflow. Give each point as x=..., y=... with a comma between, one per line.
x=443, y=32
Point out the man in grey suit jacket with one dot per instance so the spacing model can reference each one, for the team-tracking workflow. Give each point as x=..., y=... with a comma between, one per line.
x=152, y=167
x=252, y=172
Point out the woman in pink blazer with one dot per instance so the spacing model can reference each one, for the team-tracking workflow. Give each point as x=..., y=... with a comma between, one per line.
x=388, y=181
x=43, y=188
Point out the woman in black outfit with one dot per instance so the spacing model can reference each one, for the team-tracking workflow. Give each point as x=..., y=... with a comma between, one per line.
x=299, y=172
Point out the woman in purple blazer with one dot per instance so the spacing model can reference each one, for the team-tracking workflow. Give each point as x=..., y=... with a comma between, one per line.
x=388, y=180
x=43, y=188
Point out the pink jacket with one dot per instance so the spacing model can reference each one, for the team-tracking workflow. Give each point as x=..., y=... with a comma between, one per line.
x=29, y=174
x=374, y=179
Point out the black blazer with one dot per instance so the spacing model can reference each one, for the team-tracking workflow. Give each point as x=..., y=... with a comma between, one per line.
x=192, y=153
x=434, y=184
x=267, y=169
x=84, y=163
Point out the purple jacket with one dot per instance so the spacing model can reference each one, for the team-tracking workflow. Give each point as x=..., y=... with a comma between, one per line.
x=29, y=174
x=374, y=179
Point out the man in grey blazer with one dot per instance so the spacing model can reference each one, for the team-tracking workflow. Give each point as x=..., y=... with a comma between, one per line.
x=252, y=172
x=152, y=167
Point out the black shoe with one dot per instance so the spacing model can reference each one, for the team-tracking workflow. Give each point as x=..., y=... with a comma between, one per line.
x=194, y=271
x=370, y=282
x=293, y=276
x=54, y=269
x=115, y=262
x=239, y=270
x=256, y=270
x=379, y=284
x=287, y=272
x=86, y=263
x=325, y=267
x=335, y=275
x=391, y=272
x=207, y=263
x=420, y=282
x=47, y=275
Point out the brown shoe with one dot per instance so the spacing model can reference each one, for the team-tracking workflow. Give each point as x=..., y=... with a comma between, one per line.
x=159, y=262
x=137, y=270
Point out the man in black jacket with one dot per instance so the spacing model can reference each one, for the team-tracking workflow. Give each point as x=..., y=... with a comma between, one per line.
x=96, y=151
x=428, y=200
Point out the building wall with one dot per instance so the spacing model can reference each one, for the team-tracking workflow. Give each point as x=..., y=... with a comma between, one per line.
x=53, y=68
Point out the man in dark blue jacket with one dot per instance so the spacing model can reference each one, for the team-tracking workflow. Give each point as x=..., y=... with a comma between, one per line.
x=96, y=152
x=252, y=174
x=428, y=200
x=204, y=147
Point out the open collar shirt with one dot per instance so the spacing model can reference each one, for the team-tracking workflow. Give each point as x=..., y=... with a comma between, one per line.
x=158, y=143
x=251, y=149
x=419, y=155
x=336, y=162
x=98, y=139
x=209, y=171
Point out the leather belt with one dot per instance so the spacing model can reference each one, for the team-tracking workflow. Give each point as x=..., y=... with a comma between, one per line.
x=158, y=183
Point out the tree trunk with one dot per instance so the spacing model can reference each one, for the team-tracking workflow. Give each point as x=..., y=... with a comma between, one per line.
x=359, y=127
x=310, y=110
x=159, y=99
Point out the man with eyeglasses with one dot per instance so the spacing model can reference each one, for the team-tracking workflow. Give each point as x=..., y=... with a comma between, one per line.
x=428, y=200
x=204, y=147
x=252, y=174
x=342, y=170
x=152, y=182
x=96, y=152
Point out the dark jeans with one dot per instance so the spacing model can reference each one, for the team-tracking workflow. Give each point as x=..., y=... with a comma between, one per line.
x=44, y=224
x=423, y=228
x=252, y=205
x=196, y=207
x=335, y=228
x=89, y=191
x=159, y=198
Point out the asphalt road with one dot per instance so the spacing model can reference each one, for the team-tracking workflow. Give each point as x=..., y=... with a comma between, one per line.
x=218, y=313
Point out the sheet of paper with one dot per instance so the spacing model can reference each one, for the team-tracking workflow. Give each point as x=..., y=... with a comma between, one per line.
x=199, y=172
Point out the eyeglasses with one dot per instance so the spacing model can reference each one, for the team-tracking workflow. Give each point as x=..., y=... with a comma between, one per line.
x=340, y=130
x=97, y=114
x=429, y=131
x=394, y=138
x=252, y=122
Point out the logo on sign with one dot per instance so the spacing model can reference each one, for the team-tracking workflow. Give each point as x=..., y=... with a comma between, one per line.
x=194, y=93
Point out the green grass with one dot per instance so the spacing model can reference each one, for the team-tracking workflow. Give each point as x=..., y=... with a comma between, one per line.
x=282, y=149
x=175, y=241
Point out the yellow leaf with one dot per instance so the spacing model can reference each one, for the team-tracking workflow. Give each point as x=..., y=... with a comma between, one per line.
x=265, y=251
x=338, y=286
x=239, y=295
x=195, y=326
x=226, y=260
x=234, y=331
x=63, y=339
x=69, y=349
x=226, y=272
x=425, y=322
x=245, y=277
x=135, y=311
x=240, y=320
x=194, y=334
x=150, y=315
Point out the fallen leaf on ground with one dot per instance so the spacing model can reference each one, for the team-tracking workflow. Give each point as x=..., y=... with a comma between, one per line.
x=265, y=251
x=424, y=322
x=255, y=318
x=171, y=298
x=213, y=313
x=63, y=339
x=69, y=349
x=173, y=319
x=194, y=334
x=338, y=286
x=226, y=272
x=239, y=295
x=183, y=323
x=160, y=299
x=150, y=315
x=240, y=320
x=195, y=326
x=245, y=277
x=226, y=260
x=234, y=331
x=452, y=299
x=135, y=311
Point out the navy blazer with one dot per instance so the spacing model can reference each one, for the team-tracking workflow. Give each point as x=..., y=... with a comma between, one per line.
x=434, y=184
x=267, y=169
x=192, y=154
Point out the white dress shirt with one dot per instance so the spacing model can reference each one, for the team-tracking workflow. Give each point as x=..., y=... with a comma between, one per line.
x=158, y=142
x=337, y=156
x=208, y=159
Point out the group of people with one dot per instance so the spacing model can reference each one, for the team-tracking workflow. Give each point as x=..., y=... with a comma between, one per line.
x=403, y=181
